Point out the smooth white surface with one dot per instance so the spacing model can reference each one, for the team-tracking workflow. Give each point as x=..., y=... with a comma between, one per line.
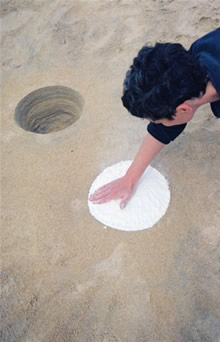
x=147, y=205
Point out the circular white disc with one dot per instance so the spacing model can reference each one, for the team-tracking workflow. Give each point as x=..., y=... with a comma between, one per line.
x=147, y=205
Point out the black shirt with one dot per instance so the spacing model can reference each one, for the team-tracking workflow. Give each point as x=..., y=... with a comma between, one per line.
x=207, y=49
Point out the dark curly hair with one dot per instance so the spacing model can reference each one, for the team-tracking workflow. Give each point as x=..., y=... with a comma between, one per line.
x=160, y=79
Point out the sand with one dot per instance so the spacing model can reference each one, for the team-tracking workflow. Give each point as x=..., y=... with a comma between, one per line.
x=64, y=277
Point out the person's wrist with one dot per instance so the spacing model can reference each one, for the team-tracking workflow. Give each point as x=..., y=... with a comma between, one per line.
x=130, y=179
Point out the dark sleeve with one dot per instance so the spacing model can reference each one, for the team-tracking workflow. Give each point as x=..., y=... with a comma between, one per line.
x=216, y=108
x=207, y=50
x=163, y=133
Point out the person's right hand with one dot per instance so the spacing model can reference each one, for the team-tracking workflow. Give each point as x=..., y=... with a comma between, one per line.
x=120, y=188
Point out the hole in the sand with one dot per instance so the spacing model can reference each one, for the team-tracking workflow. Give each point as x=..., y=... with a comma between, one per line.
x=49, y=109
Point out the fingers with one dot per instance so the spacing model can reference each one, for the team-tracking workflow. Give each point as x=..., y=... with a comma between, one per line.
x=123, y=205
x=103, y=200
x=109, y=188
x=117, y=189
x=124, y=201
x=98, y=194
x=104, y=196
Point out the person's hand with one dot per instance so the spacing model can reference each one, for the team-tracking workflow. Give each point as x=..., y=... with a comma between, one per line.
x=120, y=188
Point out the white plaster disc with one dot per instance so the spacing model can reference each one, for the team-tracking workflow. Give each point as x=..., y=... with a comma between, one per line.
x=147, y=205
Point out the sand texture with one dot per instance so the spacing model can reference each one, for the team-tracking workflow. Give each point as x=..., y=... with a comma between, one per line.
x=65, y=278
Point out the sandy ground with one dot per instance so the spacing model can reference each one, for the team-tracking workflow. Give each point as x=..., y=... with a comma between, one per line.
x=64, y=277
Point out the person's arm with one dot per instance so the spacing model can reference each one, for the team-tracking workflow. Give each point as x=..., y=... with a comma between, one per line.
x=123, y=187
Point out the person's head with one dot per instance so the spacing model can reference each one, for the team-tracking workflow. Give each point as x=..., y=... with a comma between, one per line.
x=161, y=81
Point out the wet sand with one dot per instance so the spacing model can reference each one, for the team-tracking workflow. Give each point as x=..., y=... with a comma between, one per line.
x=64, y=277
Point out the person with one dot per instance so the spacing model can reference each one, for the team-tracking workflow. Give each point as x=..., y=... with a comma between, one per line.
x=166, y=84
